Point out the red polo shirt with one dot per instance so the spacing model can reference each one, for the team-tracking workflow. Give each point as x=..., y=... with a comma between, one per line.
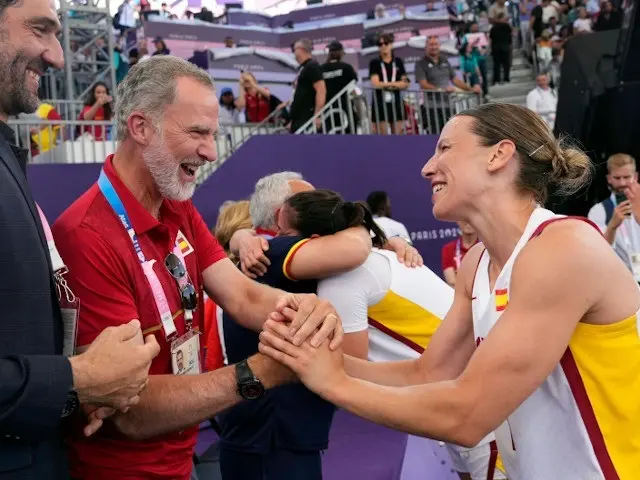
x=449, y=254
x=108, y=279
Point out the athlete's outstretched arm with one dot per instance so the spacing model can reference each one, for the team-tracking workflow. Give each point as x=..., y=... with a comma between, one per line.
x=553, y=287
x=449, y=350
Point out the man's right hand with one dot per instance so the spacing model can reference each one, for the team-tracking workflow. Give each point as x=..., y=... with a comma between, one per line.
x=114, y=370
x=622, y=211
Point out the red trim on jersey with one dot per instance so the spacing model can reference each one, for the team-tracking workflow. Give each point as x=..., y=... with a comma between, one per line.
x=386, y=330
x=493, y=460
x=501, y=291
x=589, y=419
x=501, y=308
x=546, y=223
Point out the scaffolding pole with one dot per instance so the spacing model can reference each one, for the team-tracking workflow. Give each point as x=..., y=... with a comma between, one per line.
x=87, y=43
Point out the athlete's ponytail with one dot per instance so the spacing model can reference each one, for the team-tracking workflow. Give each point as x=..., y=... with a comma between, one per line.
x=324, y=212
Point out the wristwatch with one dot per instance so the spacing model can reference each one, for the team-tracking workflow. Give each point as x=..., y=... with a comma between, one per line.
x=249, y=387
x=72, y=404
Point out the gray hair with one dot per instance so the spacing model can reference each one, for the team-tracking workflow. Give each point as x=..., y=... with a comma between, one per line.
x=305, y=44
x=150, y=86
x=269, y=195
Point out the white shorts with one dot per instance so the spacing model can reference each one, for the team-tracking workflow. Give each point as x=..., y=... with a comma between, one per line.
x=474, y=461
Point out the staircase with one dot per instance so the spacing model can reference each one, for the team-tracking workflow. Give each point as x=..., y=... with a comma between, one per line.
x=522, y=82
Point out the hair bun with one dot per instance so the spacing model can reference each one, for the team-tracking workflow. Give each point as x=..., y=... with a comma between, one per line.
x=571, y=169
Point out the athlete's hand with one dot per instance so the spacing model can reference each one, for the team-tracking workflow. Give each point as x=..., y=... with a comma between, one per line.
x=306, y=316
x=95, y=418
x=320, y=368
x=622, y=211
x=405, y=252
x=253, y=261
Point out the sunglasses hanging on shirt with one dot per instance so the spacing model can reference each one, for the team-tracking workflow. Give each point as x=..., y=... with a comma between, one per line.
x=188, y=294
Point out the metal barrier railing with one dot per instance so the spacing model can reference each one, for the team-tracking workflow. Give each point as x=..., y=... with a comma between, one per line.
x=74, y=141
x=380, y=111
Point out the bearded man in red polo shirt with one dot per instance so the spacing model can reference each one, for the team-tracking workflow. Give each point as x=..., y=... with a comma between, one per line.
x=137, y=248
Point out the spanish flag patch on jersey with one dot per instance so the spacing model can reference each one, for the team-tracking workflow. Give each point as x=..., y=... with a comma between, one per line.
x=183, y=244
x=502, y=299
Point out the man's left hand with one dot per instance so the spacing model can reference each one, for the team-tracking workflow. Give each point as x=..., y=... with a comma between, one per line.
x=309, y=316
x=405, y=252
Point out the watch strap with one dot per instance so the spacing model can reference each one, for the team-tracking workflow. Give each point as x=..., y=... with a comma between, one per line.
x=244, y=373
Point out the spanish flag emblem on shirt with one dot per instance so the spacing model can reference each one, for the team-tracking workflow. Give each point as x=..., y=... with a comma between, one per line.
x=502, y=299
x=183, y=244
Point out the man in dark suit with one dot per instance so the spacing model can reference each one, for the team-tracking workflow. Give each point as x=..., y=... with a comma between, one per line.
x=38, y=385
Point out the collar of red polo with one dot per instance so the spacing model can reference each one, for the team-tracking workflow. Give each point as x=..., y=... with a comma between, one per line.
x=141, y=220
x=265, y=232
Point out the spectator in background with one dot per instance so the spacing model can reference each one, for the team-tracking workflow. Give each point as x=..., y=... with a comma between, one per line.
x=379, y=11
x=98, y=107
x=572, y=12
x=380, y=206
x=479, y=43
x=388, y=77
x=535, y=21
x=434, y=72
x=337, y=75
x=125, y=19
x=608, y=19
x=495, y=11
x=583, y=23
x=164, y=11
x=161, y=47
x=454, y=251
x=205, y=15
x=310, y=91
x=228, y=42
x=456, y=22
x=229, y=111
x=617, y=216
x=188, y=15
x=501, y=36
x=469, y=65
x=255, y=100
x=543, y=100
x=554, y=29
x=549, y=9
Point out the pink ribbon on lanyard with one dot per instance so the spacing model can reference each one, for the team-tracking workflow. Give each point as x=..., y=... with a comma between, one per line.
x=159, y=296
x=56, y=259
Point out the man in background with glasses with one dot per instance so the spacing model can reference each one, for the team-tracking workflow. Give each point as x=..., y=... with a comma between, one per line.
x=138, y=248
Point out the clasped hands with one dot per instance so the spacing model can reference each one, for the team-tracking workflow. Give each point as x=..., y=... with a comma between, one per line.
x=310, y=349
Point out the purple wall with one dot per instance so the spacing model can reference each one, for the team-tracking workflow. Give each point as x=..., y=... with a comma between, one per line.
x=352, y=165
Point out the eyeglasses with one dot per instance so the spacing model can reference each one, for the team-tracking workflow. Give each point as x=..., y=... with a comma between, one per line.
x=383, y=43
x=188, y=294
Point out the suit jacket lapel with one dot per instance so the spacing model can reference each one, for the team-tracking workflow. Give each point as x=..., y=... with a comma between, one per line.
x=9, y=159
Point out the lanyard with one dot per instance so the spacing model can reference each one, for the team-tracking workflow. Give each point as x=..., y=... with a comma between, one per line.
x=159, y=296
x=394, y=71
x=59, y=268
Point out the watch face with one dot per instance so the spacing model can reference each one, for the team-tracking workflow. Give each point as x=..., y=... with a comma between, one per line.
x=252, y=390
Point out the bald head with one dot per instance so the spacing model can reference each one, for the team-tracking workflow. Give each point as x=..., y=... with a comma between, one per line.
x=297, y=186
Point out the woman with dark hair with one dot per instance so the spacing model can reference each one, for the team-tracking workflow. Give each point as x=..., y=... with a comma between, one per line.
x=388, y=77
x=161, y=47
x=280, y=436
x=542, y=341
x=97, y=107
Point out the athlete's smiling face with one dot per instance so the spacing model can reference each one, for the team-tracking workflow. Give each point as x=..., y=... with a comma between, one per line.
x=457, y=170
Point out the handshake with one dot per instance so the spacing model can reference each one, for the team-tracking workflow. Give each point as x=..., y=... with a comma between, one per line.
x=110, y=375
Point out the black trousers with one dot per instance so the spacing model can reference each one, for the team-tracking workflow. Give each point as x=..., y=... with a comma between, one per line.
x=501, y=63
x=278, y=465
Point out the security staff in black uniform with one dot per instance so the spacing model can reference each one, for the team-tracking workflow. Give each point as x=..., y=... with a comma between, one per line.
x=337, y=75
